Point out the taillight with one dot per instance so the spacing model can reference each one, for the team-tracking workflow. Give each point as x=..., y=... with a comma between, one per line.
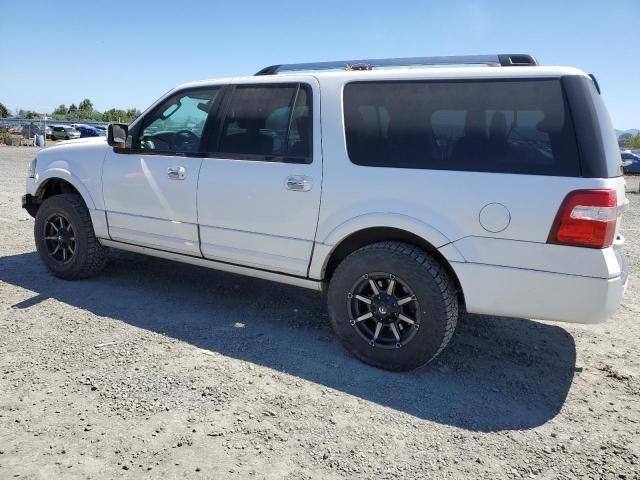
x=587, y=218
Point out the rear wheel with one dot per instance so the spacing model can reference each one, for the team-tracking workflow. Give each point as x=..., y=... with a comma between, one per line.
x=393, y=305
x=65, y=238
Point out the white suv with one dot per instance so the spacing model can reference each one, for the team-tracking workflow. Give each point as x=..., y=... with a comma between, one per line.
x=62, y=132
x=403, y=189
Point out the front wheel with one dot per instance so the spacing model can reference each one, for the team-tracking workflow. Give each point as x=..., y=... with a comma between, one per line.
x=393, y=305
x=65, y=238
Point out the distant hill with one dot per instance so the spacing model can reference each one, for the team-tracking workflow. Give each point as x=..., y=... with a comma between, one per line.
x=632, y=131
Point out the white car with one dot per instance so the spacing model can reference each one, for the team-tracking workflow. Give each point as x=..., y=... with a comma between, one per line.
x=62, y=132
x=401, y=189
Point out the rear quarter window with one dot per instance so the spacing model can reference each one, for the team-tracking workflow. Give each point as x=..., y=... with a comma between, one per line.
x=504, y=126
x=595, y=135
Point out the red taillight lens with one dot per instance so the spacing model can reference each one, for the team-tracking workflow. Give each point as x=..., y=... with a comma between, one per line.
x=587, y=218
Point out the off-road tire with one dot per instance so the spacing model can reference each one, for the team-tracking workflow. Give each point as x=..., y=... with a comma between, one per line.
x=434, y=291
x=90, y=257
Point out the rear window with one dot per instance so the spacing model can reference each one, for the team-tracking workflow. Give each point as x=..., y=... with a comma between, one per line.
x=505, y=126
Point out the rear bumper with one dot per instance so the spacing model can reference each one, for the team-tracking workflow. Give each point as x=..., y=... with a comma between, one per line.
x=515, y=292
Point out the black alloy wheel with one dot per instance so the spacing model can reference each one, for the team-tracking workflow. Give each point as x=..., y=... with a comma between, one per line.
x=65, y=239
x=393, y=305
x=59, y=238
x=384, y=310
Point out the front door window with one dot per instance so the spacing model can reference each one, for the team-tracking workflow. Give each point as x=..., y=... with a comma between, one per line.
x=177, y=125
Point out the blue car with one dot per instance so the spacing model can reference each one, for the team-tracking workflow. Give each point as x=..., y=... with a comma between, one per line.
x=630, y=162
x=87, y=131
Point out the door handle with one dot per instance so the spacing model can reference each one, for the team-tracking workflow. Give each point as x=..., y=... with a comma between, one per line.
x=177, y=173
x=298, y=183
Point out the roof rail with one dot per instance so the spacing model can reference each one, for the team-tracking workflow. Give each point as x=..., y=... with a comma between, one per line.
x=499, y=60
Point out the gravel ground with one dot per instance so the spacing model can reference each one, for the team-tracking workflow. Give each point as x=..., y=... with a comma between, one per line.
x=155, y=369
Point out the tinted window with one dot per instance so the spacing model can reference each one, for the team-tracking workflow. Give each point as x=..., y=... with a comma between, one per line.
x=506, y=126
x=609, y=137
x=268, y=121
x=176, y=125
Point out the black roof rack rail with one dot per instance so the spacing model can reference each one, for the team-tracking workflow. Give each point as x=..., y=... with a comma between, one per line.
x=499, y=60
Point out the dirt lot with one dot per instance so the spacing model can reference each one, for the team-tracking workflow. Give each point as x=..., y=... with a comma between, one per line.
x=161, y=370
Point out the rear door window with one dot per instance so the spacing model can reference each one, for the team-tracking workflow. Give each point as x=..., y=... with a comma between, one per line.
x=269, y=123
x=504, y=126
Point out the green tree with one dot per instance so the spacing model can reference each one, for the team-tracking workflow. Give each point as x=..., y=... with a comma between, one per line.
x=114, y=115
x=132, y=114
x=624, y=139
x=61, y=110
x=4, y=111
x=28, y=114
x=634, y=141
x=86, y=105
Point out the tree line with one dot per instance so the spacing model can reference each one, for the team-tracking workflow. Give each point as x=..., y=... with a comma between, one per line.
x=84, y=111
x=629, y=141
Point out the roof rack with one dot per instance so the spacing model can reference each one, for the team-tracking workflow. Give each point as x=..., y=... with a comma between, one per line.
x=498, y=60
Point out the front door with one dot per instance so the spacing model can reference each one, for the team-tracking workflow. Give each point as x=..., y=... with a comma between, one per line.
x=259, y=195
x=150, y=189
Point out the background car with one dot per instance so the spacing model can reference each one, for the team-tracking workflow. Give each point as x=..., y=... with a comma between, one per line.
x=87, y=131
x=61, y=132
x=630, y=162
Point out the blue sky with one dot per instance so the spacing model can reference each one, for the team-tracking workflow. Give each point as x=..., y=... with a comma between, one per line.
x=55, y=53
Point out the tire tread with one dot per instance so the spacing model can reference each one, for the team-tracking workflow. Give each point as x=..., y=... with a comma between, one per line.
x=430, y=266
x=96, y=254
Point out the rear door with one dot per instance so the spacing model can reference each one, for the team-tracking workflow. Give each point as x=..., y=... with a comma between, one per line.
x=150, y=189
x=259, y=195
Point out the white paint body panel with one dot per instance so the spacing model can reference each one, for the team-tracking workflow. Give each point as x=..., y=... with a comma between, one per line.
x=586, y=262
x=516, y=292
x=79, y=162
x=145, y=207
x=247, y=215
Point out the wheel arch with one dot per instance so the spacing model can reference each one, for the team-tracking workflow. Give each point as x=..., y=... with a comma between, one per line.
x=58, y=181
x=369, y=235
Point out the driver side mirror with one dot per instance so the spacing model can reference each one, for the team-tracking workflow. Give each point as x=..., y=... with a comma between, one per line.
x=117, y=134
